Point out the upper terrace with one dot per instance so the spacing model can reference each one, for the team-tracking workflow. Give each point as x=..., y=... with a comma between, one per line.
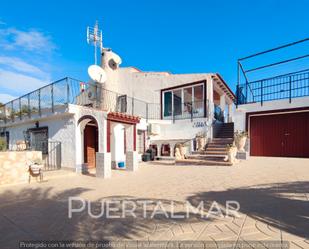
x=57, y=95
x=184, y=102
x=269, y=84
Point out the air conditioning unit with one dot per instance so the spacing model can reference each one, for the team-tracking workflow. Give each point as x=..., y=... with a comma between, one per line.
x=153, y=129
x=91, y=93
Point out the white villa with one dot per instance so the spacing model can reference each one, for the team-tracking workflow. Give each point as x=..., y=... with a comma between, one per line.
x=103, y=126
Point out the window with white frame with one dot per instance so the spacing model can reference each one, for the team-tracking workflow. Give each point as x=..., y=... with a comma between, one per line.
x=184, y=102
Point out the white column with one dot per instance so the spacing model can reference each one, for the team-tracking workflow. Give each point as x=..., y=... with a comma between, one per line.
x=230, y=119
x=129, y=137
x=103, y=165
x=222, y=106
x=131, y=160
x=210, y=105
x=222, y=102
x=210, y=97
x=79, y=148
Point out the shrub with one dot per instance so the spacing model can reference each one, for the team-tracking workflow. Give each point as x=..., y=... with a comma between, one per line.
x=2, y=144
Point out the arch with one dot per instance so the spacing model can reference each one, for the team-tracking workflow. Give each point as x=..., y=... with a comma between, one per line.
x=87, y=141
x=165, y=150
x=85, y=117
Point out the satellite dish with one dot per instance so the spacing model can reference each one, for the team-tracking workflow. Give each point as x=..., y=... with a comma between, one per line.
x=97, y=73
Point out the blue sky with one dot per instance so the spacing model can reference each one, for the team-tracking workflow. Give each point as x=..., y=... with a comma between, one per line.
x=42, y=41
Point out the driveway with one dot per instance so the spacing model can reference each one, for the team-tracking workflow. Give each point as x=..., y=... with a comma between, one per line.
x=273, y=195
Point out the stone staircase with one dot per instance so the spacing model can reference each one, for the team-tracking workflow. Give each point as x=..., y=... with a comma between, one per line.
x=215, y=151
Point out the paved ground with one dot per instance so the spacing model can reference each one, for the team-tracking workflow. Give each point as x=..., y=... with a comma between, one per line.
x=273, y=194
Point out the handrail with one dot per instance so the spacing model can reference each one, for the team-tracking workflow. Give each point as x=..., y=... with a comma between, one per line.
x=68, y=90
x=285, y=86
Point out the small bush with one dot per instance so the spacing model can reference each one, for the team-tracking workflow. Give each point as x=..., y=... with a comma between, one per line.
x=2, y=144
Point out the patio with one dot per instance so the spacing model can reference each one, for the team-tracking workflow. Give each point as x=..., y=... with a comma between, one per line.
x=273, y=194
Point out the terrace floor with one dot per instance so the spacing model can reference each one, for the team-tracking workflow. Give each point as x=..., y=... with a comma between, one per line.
x=273, y=194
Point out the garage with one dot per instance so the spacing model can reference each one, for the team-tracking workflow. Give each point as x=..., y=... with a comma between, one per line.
x=281, y=134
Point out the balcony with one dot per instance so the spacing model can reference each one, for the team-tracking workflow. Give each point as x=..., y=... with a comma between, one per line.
x=57, y=95
x=286, y=86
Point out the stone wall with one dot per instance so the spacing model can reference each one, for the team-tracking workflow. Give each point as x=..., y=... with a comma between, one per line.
x=13, y=166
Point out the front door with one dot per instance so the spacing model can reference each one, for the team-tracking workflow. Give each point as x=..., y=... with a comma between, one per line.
x=90, y=145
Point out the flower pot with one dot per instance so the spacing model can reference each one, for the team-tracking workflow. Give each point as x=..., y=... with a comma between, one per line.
x=178, y=154
x=231, y=154
x=241, y=142
x=183, y=151
x=201, y=142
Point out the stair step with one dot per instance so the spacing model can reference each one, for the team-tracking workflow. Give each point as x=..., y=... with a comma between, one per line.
x=215, y=149
x=215, y=153
x=216, y=146
x=202, y=162
x=210, y=153
x=222, y=139
x=218, y=143
x=216, y=158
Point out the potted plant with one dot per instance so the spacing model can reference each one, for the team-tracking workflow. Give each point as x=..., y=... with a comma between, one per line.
x=180, y=151
x=2, y=144
x=240, y=140
x=231, y=153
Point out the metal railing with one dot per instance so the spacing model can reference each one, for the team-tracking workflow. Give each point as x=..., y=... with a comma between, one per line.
x=71, y=91
x=46, y=98
x=286, y=86
x=187, y=110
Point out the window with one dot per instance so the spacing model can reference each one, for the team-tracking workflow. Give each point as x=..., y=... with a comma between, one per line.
x=184, y=102
x=39, y=139
x=177, y=102
x=167, y=104
x=122, y=103
x=198, y=100
x=188, y=99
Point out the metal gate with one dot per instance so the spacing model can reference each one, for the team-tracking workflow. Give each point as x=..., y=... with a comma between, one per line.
x=52, y=160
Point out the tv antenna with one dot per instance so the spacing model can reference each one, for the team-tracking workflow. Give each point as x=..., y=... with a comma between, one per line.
x=94, y=37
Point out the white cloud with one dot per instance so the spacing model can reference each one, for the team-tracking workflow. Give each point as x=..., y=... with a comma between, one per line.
x=22, y=59
x=32, y=40
x=20, y=65
x=4, y=98
x=20, y=83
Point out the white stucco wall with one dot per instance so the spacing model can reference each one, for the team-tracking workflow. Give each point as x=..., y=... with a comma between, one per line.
x=239, y=116
x=100, y=118
x=182, y=129
x=60, y=128
x=146, y=86
x=63, y=127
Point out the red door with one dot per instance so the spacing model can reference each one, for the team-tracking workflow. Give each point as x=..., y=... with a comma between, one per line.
x=90, y=145
x=280, y=135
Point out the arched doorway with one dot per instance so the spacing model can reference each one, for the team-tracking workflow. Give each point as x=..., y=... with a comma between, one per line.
x=165, y=150
x=90, y=141
x=90, y=144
